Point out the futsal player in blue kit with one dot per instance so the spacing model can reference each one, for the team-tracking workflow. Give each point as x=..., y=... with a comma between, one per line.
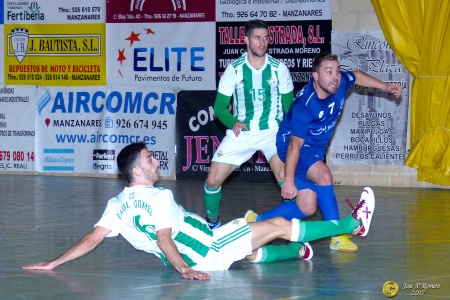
x=303, y=137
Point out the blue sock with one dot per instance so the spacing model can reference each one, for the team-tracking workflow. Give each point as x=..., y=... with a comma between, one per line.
x=287, y=210
x=327, y=202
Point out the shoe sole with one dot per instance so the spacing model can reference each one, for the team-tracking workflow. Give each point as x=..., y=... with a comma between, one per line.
x=344, y=250
x=246, y=215
x=369, y=198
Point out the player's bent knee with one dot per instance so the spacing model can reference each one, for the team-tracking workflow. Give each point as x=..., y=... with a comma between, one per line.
x=309, y=210
x=325, y=178
x=213, y=182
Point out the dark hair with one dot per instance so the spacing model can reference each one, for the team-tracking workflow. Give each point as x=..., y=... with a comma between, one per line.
x=127, y=159
x=320, y=58
x=254, y=24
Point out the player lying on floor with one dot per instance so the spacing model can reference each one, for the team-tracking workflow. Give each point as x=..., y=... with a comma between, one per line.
x=149, y=218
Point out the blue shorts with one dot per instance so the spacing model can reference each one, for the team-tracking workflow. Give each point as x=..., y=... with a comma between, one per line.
x=308, y=156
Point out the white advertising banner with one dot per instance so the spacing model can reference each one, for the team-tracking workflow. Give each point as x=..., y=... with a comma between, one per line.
x=373, y=126
x=274, y=10
x=17, y=128
x=55, y=12
x=180, y=55
x=83, y=129
x=2, y=61
x=98, y=75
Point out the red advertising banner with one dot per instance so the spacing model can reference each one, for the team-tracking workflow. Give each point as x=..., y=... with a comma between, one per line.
x=160, y=11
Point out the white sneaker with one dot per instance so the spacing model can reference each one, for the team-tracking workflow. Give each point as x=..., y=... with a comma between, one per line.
x=363, y=211
x=306, y=251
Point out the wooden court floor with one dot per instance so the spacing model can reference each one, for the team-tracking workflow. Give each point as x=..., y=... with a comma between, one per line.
x=42, y=216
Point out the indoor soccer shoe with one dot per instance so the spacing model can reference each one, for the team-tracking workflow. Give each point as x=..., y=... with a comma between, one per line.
x=306, y=251
x=343, y=243
x=363, y=211
x=250, y=216
x=213, y=225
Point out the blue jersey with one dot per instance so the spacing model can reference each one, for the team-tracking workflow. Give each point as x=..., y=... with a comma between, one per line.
x=314, y=119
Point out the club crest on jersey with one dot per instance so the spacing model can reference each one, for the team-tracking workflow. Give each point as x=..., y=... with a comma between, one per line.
x=272, y=81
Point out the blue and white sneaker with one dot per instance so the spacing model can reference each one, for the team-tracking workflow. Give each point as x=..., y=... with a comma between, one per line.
x=213, y=225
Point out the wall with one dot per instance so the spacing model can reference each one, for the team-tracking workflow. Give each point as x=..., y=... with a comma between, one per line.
x=350, y=15
x=360, y=15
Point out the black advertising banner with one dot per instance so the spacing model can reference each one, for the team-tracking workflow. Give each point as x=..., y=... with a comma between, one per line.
x=295, y=43
x=198, y=135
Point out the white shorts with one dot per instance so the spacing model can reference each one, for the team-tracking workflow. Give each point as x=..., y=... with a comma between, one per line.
x=232, y=242
x=237, y=150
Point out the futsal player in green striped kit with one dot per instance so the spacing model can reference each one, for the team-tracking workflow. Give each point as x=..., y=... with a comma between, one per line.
x=262, y=91
x=150, y=220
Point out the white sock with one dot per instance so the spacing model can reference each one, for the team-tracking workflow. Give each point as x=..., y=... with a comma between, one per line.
x=295, y=230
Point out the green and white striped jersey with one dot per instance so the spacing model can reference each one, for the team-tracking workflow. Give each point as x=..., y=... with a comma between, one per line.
x=256, y=92
x=139, y=211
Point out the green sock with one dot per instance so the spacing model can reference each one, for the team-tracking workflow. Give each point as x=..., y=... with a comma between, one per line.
x=271, y=253
x=314, y=230
x=211, y=197
x=349, y=223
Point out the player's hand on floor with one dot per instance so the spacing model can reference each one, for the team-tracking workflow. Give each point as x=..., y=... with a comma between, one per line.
x=192, y=274
x=39, y=266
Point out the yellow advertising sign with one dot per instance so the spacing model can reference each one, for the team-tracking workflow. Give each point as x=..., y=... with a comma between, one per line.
x=55, y=55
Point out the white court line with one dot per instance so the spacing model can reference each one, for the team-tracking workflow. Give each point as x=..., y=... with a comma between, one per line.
x=153, y=286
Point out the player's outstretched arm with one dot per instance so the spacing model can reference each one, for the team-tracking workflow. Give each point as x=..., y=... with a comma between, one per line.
x=365, y=80
x=87, y=244
x=394, y=89
x=168, y=247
